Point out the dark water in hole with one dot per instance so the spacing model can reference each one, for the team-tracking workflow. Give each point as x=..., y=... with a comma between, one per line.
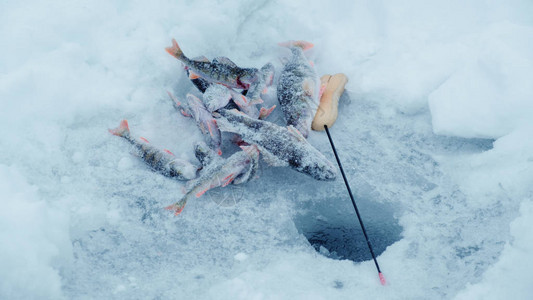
x=333, y=229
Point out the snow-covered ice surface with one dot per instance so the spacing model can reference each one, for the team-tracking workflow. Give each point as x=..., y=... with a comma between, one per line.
x=435, y=132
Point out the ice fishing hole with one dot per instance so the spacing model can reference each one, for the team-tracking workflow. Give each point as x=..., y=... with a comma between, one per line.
x=332, y=228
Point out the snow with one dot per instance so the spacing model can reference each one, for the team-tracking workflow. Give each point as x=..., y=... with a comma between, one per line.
x=434, y=126
x=505, y=278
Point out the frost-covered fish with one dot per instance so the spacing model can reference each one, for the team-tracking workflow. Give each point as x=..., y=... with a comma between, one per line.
x=219, y=172
x=265, y=79
x=248, y=106
x=195, y=109
x=280, y=146
x=162, y=161
x=216, y=96
x=245, y=104
x=221, y=69
x=298, y=88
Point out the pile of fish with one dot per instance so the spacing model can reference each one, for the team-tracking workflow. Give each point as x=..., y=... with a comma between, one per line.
x=230, y=95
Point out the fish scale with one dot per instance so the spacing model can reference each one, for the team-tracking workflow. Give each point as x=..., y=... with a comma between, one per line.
x=219, y=172
x=297, y=91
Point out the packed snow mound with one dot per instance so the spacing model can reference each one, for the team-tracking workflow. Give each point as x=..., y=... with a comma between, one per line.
x=33, y=235
x=508, y=277
x=491, y=95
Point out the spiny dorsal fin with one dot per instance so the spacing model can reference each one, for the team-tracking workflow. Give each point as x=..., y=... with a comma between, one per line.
x=224, y=61
x=201, y=59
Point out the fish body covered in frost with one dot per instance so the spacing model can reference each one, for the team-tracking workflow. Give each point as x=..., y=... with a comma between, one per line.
x=240, y=167
x=298, y=88
x=265, y=79
x=280, y=146
x=220, y=70
x=217, y=96
x=159, y=160
x=196, y=109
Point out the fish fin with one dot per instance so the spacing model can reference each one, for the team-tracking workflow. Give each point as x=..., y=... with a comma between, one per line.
x=202, y=128
x=199, y=194
x=173, y=98
x=201, y=59
x=224, y=61
x=177, y=207
x=239, y=98
x=264, y=91
x=169, y=152
x=250, y=150
x=295, y=132
x=263, y=112
x=179, y=106
x=174, y=50
x=193, y=75
x=301, y=44
x=270, y=79
x=123, y=129
x=210, y=125
x=311, y=63
x=144, y=140
x=256, y=101
x=253, y=168
x=228, y=179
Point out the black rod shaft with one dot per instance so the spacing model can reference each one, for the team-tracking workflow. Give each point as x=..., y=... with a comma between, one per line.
x=352, y=198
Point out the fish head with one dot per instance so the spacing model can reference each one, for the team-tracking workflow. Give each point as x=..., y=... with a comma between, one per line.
x=216, y=96
x=267, y=72
x=203, y=153
x=194, y=102
x=247, y=77
x=321, y=169
x=196, y=107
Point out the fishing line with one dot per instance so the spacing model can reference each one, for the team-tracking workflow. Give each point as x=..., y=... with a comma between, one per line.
x=381, y=277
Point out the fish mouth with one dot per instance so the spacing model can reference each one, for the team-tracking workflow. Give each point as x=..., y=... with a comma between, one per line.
x=329, y=175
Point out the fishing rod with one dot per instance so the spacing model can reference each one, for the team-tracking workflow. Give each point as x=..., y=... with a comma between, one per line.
x=332, y=87
x=381, y=276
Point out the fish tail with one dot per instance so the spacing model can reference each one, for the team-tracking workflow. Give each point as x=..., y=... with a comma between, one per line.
x=178, y=206
x=263, y=112
x=175, y=50
x=300, y=44
x=122, y=130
